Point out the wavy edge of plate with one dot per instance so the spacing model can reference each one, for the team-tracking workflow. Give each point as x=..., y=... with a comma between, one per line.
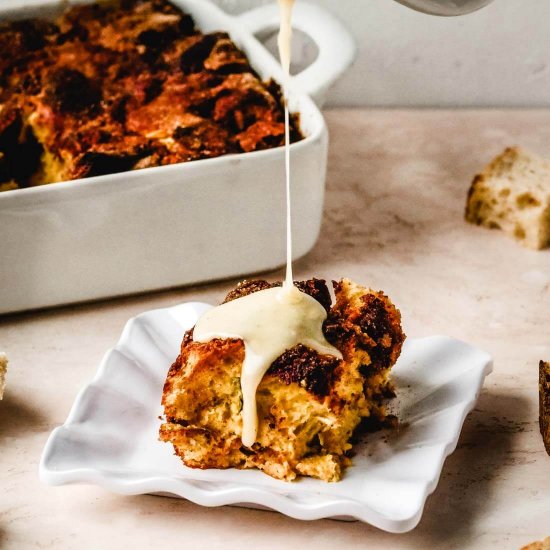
x=194, y=491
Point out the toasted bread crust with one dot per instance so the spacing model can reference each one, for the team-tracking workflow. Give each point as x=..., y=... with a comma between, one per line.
x=3, y=371
x=538, y=545
x=316, y=288
x=544, y=403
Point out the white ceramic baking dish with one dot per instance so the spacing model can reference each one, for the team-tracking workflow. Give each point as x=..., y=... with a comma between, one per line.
x=180, y=224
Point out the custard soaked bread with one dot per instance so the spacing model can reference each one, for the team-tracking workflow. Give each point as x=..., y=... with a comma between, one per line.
x=308, y=404
x=513, y=194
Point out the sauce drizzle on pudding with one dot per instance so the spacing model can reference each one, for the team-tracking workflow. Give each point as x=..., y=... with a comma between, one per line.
x=270, y=321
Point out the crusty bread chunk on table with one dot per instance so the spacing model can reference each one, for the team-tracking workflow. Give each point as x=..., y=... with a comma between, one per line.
x=3, y=370
x=513, y=194
x=538, y=545
x=544, y=403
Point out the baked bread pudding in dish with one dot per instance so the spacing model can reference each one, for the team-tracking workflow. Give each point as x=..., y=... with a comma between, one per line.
x=123, y=85
x=309, y=405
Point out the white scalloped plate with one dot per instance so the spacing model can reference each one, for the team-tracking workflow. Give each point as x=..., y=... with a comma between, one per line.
x=110, y=437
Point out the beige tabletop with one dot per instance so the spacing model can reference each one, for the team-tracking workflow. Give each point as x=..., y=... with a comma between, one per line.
x=397, y=183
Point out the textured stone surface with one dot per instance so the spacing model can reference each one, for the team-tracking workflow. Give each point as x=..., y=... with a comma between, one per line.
x=396, y=191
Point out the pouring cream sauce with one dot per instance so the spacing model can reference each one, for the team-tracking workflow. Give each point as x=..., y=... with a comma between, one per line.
x=271, y=321
x=284, y=41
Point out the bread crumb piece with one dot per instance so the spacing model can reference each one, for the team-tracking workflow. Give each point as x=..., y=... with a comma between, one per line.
x=3, y=370
x=538, y=545
x=513, y=194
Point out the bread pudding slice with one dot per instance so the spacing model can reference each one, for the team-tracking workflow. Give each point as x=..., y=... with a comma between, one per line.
x=309, y=405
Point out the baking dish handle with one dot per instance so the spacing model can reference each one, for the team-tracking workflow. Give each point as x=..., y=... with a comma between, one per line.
x=335, y=43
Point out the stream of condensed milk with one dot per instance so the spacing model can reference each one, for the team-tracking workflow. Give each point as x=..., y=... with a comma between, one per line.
x=284, y=42
x=271, y=321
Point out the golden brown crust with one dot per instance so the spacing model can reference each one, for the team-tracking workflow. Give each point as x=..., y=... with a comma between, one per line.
x=367, y=321
x=124, y=85
x=503, y=161
x=316, y=288
x=544, y=403
x=309, y=405
x=306, y=367
x=3, y=371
